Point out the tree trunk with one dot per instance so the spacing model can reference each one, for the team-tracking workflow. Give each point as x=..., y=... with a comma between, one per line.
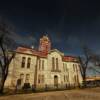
x=84, y=78
x=2, y=84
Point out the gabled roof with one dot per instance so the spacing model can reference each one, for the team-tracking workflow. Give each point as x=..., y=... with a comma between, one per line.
x=34, y=52
x=31, y=51
x=55, y=50
x=70, y=58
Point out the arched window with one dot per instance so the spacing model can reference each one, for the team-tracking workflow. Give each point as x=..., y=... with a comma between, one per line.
x=28, y=62
x=21, y=78
x=23, y=62
x=19, y=82
x=27, y=78
x=40, y=79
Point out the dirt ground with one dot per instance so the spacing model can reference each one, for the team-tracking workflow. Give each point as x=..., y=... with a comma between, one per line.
x=85, y=94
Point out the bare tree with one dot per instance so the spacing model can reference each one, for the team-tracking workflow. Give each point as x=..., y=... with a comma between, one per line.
x=87, y=57
x=5, y=58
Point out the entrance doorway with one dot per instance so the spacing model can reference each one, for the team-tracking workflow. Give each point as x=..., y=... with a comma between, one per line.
x=56, y=81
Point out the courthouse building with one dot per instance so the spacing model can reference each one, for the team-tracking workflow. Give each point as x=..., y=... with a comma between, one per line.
x=43, y=68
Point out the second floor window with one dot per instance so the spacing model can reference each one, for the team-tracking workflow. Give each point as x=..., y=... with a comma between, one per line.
x=28, y=62
x=23, y=62
x=56, y=63
x=74, y=67
x=53, y=63
x=39, y=64
x=42, y=64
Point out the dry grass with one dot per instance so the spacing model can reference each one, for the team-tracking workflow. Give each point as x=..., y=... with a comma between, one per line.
x=86, y=94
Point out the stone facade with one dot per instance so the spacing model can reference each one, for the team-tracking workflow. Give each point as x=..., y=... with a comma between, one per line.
x=44, y=68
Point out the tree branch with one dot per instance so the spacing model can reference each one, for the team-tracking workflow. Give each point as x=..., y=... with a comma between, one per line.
x=2, y=48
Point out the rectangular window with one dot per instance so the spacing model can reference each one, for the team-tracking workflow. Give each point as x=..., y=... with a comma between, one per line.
x=75, y=79
x=53, y=64
x=39, y=78
x=28, y=62
x=67, y=78
x=23, y=62
x=64, y=78
x=42, y=64
x=56, y=63
x=74, y=67
x=42, y=79
x=21, y=78
x=64, y=66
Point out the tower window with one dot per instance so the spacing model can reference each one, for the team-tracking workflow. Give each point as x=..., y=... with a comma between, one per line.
x=45, y=44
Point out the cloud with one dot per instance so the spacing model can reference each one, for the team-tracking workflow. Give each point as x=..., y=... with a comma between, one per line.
x=23, y=39
x=73, y=41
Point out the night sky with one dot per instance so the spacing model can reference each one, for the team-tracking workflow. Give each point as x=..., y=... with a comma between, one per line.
x=67, y=22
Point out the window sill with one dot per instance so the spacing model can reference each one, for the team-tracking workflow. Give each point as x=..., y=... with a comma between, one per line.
x=55, y=70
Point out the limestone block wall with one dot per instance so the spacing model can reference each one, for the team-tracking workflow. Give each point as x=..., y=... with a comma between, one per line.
x=65, y=73
x=15, y=70
x=55, y=55
x=42, y=71
x=74, y=72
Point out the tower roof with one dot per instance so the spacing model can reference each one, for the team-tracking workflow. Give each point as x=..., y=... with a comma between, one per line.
x=45, y=38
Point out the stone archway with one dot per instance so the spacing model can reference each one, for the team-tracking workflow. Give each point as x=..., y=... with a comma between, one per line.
x=56, y=81
x=18, y=84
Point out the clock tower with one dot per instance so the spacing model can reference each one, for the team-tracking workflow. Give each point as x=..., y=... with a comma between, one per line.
x=45, y=44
